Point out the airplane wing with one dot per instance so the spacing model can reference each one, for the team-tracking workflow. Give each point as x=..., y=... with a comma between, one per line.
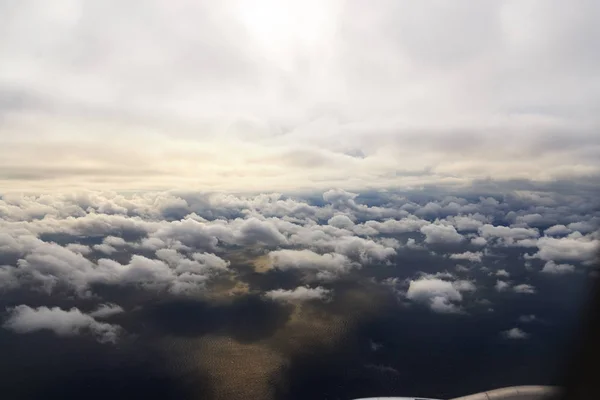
x=507, y=393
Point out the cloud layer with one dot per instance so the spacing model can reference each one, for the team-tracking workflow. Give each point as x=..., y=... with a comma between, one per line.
x=420, y=93
x=91, y=246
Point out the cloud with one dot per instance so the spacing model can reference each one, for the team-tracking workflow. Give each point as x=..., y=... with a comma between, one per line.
x=301, y=293
x=409, y=224
x=553, y=268
x=441, y=296
x=79, y=248
x=478, y=241
x=178, y=243
x=104, y=248
x=341, y=221
x=178, y=274
x=467, y=255
x=507, y=234
x=467, y=223
x=443, y=305
x=308, y=260
x=501, y=286
x=244, y=109
x=503, y=273
x=524, y=288
x=114, y=241
x=570, y=248
x=527, y=318
x=557, y=230
x=106, y=310
x=515, y=333
x=435, y=233
x=24, y=319
x=464, y=286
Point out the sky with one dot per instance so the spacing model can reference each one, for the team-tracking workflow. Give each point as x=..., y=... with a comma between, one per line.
x=287, y=96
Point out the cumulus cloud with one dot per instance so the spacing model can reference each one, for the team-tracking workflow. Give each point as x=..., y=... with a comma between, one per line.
x=467, y=255
x=177, y=274
x=508, y=235
x=575, y=247
x=524, y=288
x=24, y=319
x=464, y=286
x=441, y=296
x=515, y=333
x=436, y=233
x=478, y=241
x=50, y=266
x=301, y=293
x=105, y=248
x=175, y=243
x=341, y=221
x=467, y=223
x=409, y=224
x=106, y=310
x=557, y=230
x=443, y=305
x=501, y=286
x=309, y=260
x=553, y=268
x=79, y=248
x=503, y=273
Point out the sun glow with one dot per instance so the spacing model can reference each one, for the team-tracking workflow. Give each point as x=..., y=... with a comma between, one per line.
x=282, y=28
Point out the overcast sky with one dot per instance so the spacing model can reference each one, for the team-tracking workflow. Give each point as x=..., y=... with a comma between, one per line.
x=278, y=95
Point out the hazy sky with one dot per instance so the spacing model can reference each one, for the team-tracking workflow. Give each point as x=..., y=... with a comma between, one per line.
x=278, y=95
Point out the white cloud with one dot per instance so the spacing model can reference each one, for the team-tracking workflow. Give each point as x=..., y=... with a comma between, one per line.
x=478, y=241
x=106, y=310
x=571, y=248
x=443, y=305
x=8, y=280
x=24, y=319
x=508, y=234
x=114, y=241
x=467, y=255
x=524, y=288
x=515, y=333
x=503, y=273
x=79, y=248
x=440, y=296
x=48, y=266
x=464, y=286
x=404, y=225
x=301, y=293
x=553, y=268
x=341, y=221
x=501, y=286
x=309, y=260
x=104, y=248
x=436, y=233
x=465, y=223
x=557, y=230
x=582, y=226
